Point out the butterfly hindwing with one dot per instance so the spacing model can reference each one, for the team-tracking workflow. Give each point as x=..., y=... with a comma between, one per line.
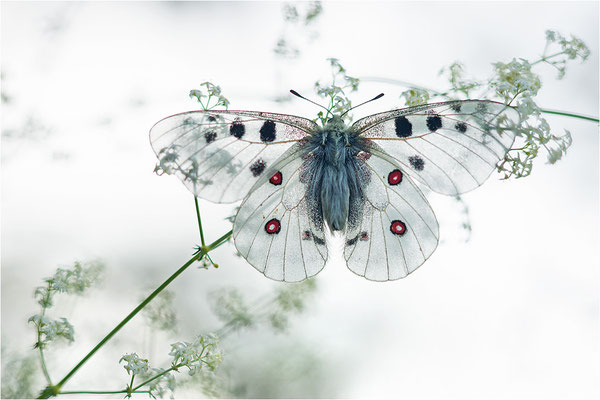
x=451, y=147
x=276, y=230
x=398, y=230
x=219, y=155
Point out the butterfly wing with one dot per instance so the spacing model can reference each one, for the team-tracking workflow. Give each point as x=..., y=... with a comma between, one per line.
x=451, y=147
x=397, y=230
x=276, y=229
x=219, y=155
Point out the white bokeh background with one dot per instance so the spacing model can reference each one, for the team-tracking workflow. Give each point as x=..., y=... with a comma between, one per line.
x=513, y=313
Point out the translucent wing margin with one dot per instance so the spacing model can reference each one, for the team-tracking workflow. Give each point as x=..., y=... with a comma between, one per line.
x=451, y=147
x=219, y=155
x=398, y=230
x=276, y=230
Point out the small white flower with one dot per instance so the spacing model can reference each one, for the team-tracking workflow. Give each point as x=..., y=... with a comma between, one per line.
x=515, y=78
x=203, y=350
x=135, y=364
x=527, y=107
x=52, y=329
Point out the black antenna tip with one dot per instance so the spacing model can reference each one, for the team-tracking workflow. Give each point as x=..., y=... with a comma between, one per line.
x=292, y=91
x=380, y=95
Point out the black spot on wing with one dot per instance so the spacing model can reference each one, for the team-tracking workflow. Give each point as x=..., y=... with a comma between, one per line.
x=352, y=241
x=258, y=167
x=237, y=129
x=461, y=127
x=212, y=118
x=434, y=122
x=318, y=240
x=403, y=127
x=210, y=136
x=417, y=163
x=267, y=132
x=456, y=107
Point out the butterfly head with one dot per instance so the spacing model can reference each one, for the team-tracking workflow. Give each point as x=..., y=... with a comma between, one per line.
x=335, y=121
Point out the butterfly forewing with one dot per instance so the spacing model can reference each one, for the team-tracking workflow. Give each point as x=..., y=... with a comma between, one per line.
x=276, y=229
x=219, y=155
x=451, y=147
x=398, y=230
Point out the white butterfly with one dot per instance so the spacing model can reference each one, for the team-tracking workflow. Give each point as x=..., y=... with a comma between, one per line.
x=296, y=177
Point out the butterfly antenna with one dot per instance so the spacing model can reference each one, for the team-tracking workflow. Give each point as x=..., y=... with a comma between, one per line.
x=380, y=95
x=310, y=101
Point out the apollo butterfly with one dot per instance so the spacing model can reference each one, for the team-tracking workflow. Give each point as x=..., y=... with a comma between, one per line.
x=298, y=179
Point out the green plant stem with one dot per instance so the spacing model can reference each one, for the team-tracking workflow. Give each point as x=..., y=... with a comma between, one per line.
x=43, y=362
x=95, y=392
x=39, y=340
x=546, y=58
x=157, y=376
x=568, y=114
x=199, y=222
x=198, y=256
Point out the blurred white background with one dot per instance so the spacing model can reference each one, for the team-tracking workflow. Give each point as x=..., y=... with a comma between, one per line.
x=513, y=313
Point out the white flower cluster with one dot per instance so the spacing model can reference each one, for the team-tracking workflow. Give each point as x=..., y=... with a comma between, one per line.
x=570, y=49
x=50, y=330
x=135, y=364
x=514, y=79
x=458, y=84
x=69, y=280
x=212, y=92
x=338, y=99
x=415, y=97
x=516, y=84
x=201, y=352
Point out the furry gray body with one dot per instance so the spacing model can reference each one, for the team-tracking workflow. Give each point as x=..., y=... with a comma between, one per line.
x=337, y=176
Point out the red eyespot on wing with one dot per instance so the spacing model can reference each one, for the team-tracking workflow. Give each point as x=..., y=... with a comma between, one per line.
x=276, y=179
x=273, y=226
x=395, y=177
x=398, y=227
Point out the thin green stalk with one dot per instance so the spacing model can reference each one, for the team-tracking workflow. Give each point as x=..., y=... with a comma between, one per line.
x=43, y=362
x=157, y=376
x=219, y=241
x=96, y=392
x=546, y=58
x=199, y=222
x=39, y=340
x=568, y=114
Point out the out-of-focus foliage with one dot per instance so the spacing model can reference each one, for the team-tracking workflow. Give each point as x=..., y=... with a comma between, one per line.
x=299, y=20
x=19, y=375
x=161, y=313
